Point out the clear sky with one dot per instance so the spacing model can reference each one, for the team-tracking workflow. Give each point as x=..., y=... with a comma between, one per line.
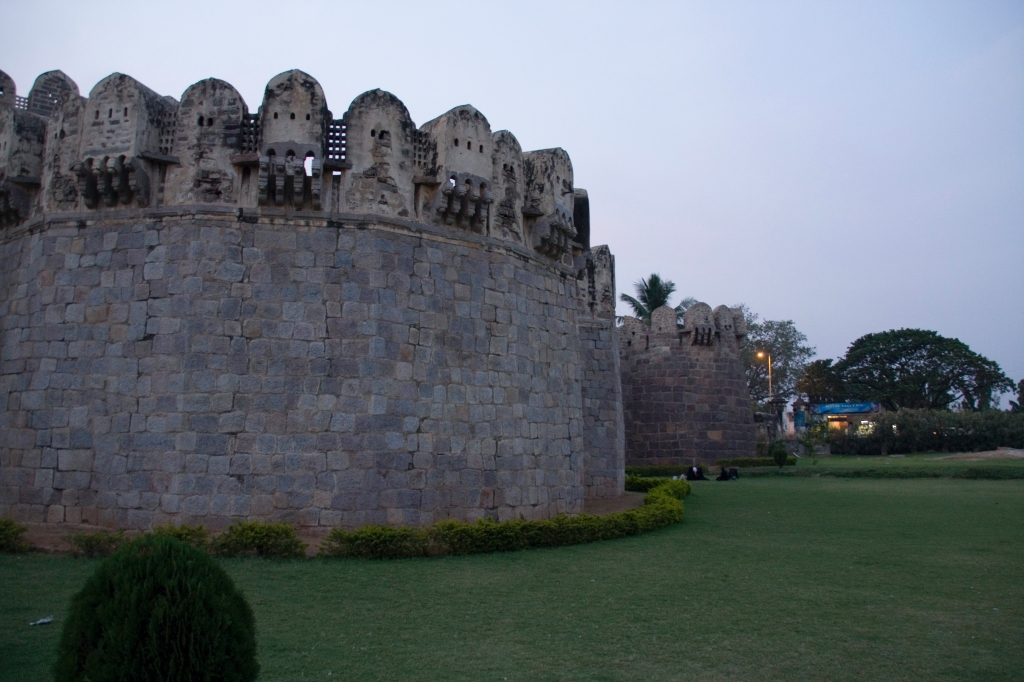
x=852, y=166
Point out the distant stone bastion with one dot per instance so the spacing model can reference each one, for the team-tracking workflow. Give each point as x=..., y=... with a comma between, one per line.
x=210, y=314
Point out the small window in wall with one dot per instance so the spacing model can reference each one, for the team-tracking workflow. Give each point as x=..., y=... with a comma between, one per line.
x=456, y=142
x=469, y=144
x=97, y=114
x=308, y=164
x=481, y=149
x=209, y=122
x=373, y=133
x=110, y=114
x=126, y=112
x=307, y=117
x=275, y=115
x=200, y=121
x=293, y=116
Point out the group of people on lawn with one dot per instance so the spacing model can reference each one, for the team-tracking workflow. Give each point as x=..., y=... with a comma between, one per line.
x=696, y=473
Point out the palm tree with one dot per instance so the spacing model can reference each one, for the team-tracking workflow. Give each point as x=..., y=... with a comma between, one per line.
x=653, y=293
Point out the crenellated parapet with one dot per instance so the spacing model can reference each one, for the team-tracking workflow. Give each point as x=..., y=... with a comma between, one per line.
x=127, y=147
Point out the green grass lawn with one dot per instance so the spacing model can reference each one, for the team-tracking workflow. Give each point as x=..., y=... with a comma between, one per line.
x=924, y=460
x=769, y=578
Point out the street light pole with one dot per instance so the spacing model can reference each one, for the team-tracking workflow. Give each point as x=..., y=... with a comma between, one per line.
x=761, y=354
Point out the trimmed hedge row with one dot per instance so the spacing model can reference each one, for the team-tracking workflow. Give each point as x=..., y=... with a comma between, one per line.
x=985, y=473
x=908, y=431
x=255, y=538
x=10, y=536
x=680, y=470
x=642, y=484
x=663, y=506
x=754, y=461
x=666, y=470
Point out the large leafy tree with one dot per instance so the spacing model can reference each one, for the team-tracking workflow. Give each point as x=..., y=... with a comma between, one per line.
x=788, y=349
x=821, y=383
x=652, y=293
x=915, y=368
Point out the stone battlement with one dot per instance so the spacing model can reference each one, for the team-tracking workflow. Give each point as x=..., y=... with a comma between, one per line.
x=209, y=314
x=125, y=146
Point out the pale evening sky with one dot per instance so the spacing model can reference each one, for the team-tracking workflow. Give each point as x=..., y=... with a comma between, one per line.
x=852, y=166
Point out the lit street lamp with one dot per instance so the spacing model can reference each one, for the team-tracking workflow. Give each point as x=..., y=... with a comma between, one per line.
x=761, y=354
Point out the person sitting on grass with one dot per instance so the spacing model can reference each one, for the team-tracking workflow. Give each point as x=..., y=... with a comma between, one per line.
x=734, y=474
x=695, y=473
x=724, y=476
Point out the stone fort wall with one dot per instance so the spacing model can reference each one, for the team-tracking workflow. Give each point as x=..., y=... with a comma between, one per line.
x=209, y=314
x=685, y=397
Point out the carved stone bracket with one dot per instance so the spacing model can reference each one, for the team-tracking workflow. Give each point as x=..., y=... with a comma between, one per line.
x=87, y=186
x=316, y=183
x=138, y=182
x=14, y=204
x=553, y=235
x=465, y=201
x=263, y=180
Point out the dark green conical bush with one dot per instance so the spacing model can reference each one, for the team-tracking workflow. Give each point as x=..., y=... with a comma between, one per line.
x=158, y=610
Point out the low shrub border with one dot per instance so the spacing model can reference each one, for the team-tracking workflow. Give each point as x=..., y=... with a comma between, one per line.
x=666, y=470
x=10, y=536
x=642, y=484
x=663, y=506
x=982, y=473
x=680, y=470
x=255, y=538
x=101, y=543
x=754, y=462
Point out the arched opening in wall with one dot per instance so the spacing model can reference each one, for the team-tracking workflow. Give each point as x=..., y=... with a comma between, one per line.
x=200, y=122
x=451, y=182
x=292, y=117
x=110, y=113
x=307, y=117
x=307, y=164
x=209, y=121
x=384, y=135
x=290, y=154
x=481, y=149
x=469, y=145
x=456, y=139
x=275, y=115
x=97, y=114
x=61, y=134
x=373, y=133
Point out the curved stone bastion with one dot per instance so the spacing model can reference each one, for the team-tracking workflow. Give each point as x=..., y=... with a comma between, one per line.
x=211, y=315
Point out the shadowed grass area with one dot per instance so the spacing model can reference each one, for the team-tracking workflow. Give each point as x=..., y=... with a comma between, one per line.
x=771, y=578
